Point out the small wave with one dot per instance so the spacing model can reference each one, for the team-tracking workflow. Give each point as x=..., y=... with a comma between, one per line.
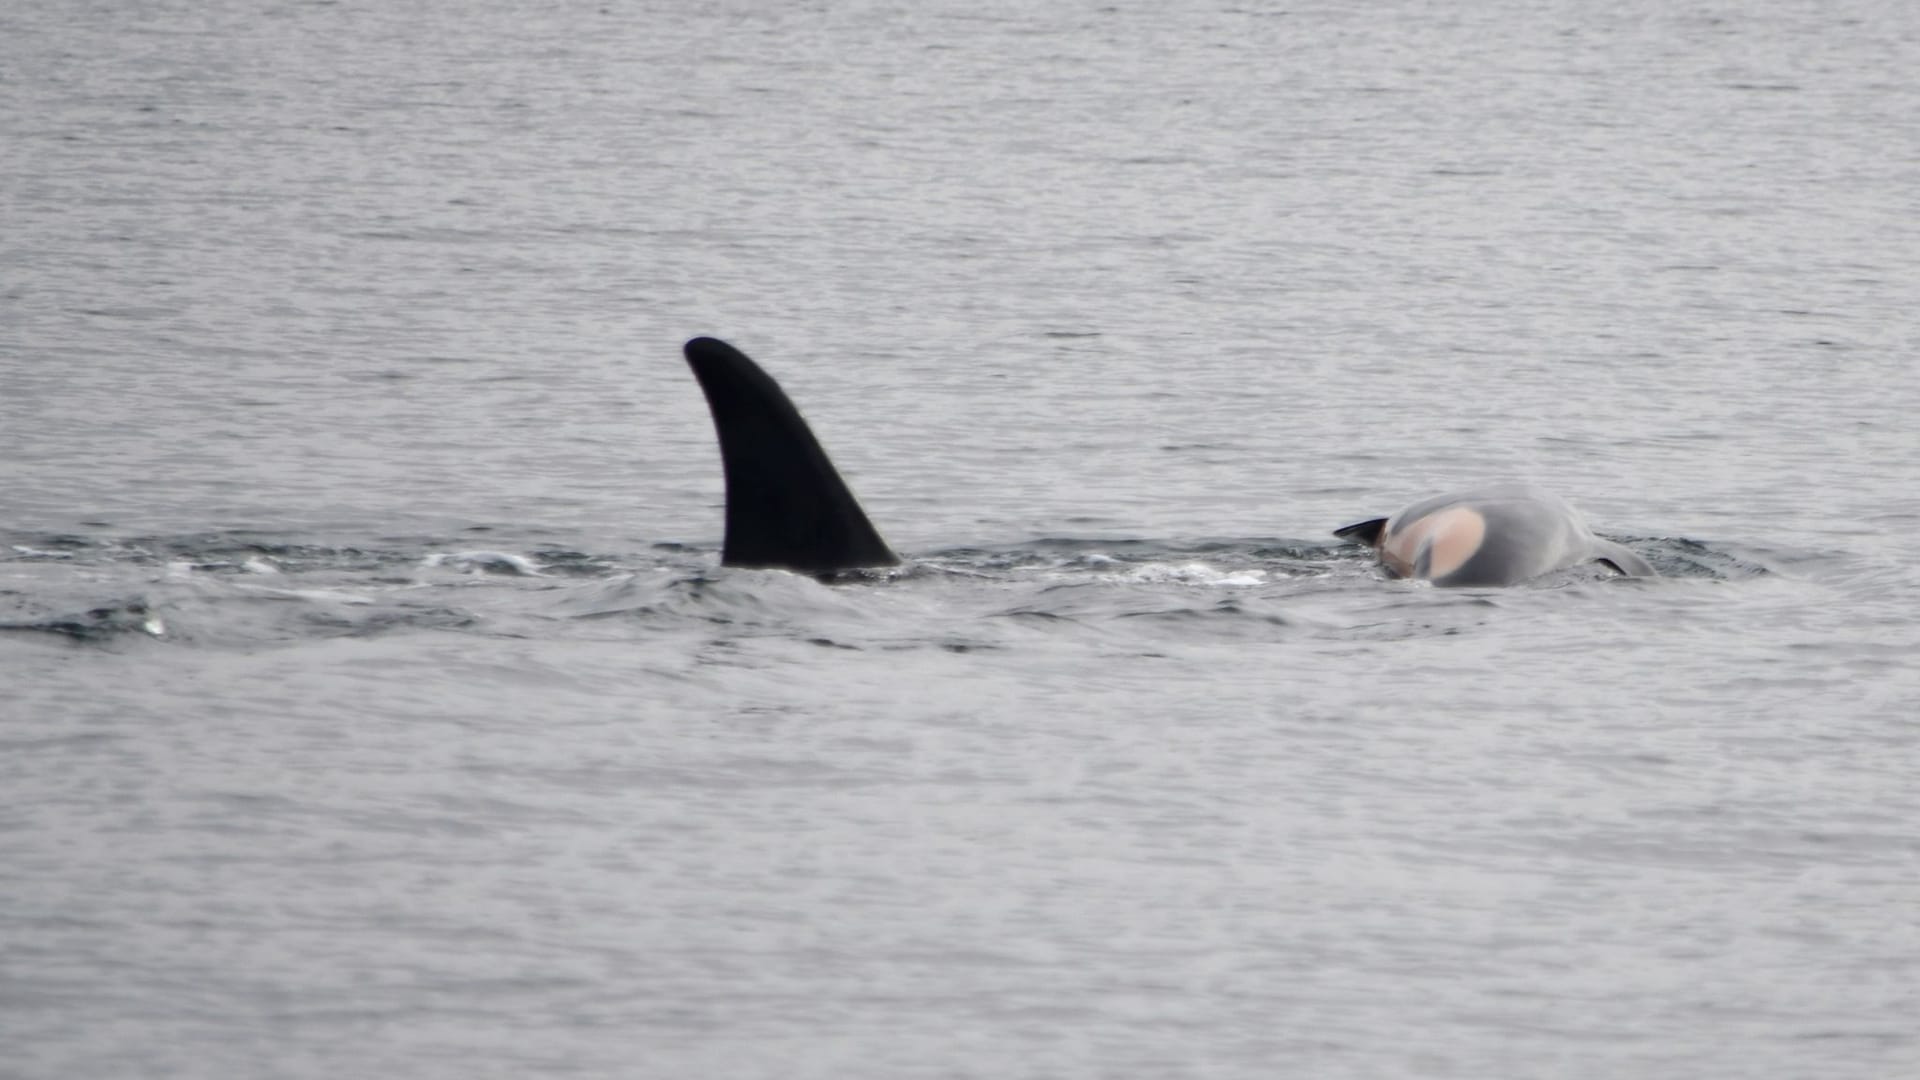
x=485, y=562
x=312, y=596
x=1190, y=573
x=96, y=624
x=1679, y=557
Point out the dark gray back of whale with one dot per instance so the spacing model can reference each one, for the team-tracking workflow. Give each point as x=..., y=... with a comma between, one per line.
x=787, y=507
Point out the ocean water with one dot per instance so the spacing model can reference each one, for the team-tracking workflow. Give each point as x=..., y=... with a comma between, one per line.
x=372, y=701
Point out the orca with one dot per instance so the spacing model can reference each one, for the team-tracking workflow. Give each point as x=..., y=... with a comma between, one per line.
x=1497, y=536
x=787, y=508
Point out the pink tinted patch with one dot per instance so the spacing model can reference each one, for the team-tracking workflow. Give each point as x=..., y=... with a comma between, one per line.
x=1450, y=538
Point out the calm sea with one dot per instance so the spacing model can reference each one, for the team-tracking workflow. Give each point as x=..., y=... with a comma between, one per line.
x=372, y=702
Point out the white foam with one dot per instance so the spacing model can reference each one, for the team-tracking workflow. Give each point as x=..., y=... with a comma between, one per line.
x=1190, y=573
x=478, y=562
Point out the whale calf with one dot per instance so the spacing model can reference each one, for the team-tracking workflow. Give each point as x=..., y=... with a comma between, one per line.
x=1496, y=536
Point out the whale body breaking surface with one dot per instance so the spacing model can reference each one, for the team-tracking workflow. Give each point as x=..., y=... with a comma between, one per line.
x=1497, y=536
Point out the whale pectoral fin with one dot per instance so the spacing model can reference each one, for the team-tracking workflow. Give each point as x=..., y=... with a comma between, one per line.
x=1363, y=532
x=787, y=507
x=1623, y=560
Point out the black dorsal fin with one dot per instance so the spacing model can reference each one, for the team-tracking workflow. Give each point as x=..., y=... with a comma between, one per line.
x=1366, y=532
x=786, y=506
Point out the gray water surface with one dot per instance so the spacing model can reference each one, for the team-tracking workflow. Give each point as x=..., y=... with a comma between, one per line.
x=372, y=701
